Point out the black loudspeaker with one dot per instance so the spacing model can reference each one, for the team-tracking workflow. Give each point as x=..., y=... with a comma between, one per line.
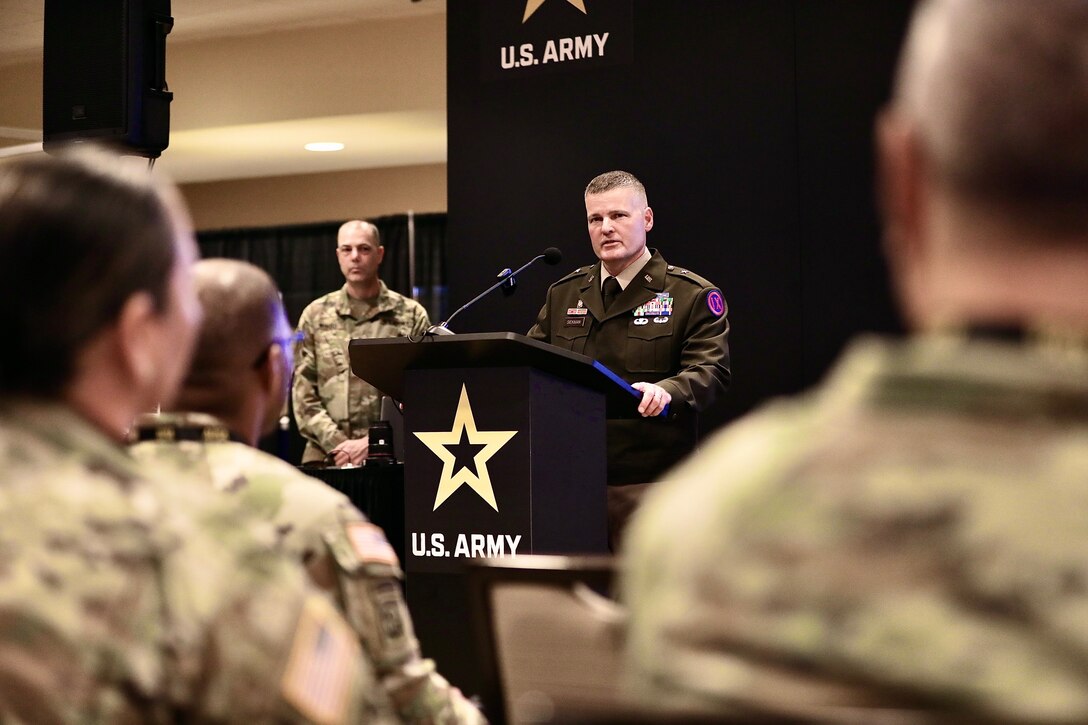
x=104, y=76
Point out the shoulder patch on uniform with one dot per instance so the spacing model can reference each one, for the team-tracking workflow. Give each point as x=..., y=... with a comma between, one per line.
x=715, y=302
x=322, y=664
x=370, y=545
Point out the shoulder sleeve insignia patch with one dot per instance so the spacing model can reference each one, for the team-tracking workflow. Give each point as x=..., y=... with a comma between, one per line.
x=715, y=302
x=370, y=545
x=322, y=665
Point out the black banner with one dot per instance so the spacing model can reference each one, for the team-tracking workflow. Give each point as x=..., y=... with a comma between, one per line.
x=473, y=462
x=531, y=37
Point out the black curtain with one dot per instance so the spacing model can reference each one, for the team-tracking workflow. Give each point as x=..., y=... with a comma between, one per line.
x=301, y=258
x=430, y=259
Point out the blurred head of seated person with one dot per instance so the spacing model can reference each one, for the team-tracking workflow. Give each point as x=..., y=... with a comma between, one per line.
x=94, y=259
x=125, y=598
x=234, y=392
x=241, y=368
x=912, y=533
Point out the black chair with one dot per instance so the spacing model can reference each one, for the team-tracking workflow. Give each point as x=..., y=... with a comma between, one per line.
x=548, y=635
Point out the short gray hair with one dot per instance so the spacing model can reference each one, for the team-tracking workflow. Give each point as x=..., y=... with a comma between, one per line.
x=615, y=180
x=999, y=93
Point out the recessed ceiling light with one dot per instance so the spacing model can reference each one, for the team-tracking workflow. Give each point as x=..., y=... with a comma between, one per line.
x=324, y=146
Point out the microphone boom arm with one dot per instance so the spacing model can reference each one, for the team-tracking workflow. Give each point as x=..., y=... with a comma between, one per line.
x=442, y=328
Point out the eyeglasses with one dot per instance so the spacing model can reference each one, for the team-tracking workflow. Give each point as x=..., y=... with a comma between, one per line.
x=289, y=343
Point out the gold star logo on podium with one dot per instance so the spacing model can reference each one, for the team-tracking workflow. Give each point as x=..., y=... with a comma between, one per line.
x=464, y=452
x=531, y=6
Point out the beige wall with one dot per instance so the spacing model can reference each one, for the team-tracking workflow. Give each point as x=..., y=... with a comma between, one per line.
x=372, y=67
x=20, y=99
x=367, y=67
x=316, y=197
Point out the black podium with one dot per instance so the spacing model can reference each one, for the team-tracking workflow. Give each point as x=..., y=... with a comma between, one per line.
x=505, y=454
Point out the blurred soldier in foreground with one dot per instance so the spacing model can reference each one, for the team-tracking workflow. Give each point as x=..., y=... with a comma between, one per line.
x=914, y=533
x=235, y=389
x=333, y=408
x=122, y=598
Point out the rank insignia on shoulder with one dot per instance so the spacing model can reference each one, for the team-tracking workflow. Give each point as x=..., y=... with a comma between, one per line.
x=577, y=310
x=715, y=302
x=648, y=278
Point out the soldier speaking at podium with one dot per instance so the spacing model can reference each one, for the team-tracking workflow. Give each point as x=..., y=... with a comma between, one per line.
x=662, y=328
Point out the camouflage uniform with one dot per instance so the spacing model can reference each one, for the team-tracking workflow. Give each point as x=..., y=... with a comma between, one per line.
x=912, y=533
x=331, y=404
x=125, y=599
x=343, y=551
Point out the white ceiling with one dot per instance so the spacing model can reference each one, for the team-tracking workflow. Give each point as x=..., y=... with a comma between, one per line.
x=372, y=140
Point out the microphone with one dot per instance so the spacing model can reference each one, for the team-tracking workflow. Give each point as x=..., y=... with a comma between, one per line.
x=551, y=255
x=509, y=285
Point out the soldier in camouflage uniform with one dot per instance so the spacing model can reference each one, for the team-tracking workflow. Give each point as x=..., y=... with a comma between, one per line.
x=125, y=598
x=913, y=533
x=235, y=389
x=333, y=408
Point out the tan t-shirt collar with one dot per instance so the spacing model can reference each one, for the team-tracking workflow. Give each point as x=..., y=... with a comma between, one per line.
x=629, y=273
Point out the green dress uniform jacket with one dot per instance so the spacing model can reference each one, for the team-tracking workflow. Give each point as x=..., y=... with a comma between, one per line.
x=669, y=327
x=332, y=405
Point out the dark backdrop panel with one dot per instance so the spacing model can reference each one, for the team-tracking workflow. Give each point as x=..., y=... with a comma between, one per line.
x=846, y=52
x=750, y=123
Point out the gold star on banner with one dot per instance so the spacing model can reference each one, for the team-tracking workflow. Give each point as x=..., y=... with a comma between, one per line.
x=531, y=7
x=463, y=434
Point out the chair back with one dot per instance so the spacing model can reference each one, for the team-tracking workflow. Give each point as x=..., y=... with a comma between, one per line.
x=549, y=635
